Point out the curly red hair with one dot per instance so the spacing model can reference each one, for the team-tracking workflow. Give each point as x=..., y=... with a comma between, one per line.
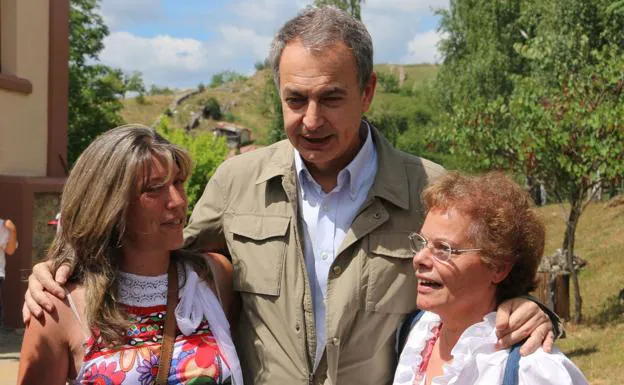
x=504, y=224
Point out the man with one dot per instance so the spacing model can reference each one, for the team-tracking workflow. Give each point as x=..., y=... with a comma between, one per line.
x=8, y=244
x=317, y=225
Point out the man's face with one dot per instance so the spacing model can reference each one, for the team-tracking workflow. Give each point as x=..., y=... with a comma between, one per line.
x=323, y=104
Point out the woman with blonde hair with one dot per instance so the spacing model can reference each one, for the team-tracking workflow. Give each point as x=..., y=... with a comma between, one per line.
x=480, y=244
x=135, y=304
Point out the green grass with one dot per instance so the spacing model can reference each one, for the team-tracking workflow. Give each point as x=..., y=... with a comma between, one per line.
x=596, y=346
x=243, y=99
x=248, y=105
x=416, y=74
x=146, y=113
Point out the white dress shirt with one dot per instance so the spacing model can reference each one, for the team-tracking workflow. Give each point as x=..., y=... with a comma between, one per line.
x=476, y=361
x=327, y=218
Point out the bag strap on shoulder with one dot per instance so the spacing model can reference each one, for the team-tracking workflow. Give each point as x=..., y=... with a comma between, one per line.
x=405, y=328
x=513, y=365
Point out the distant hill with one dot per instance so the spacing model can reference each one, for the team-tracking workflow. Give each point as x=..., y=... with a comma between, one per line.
x=244, y=102
x=415, y=74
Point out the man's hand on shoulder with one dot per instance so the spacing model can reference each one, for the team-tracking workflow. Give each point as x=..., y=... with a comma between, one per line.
x=42, y=283
x=518, y=319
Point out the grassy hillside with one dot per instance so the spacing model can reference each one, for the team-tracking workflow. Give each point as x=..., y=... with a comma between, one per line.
x=596, y=347
x=146, y=113
x=415, y=74
x=244, y=102
x=241, y=101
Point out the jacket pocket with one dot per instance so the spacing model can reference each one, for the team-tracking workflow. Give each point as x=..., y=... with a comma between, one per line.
x=391, y=282
x=258, y=248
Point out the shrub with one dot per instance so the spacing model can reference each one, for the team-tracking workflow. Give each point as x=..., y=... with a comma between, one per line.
x=388, y=82
x=206, y=151
x=140, y=99
x=225, y=77
x=212, y=109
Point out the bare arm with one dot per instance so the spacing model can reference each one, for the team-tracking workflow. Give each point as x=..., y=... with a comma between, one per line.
x=44, y=358
x=222, y=270
x=12, y=242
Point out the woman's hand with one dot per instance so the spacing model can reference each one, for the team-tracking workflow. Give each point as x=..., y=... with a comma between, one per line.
x=9, y=225
x=520, y=318
x=39, y=282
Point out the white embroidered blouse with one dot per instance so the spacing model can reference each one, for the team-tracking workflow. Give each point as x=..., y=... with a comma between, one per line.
x=476, y=362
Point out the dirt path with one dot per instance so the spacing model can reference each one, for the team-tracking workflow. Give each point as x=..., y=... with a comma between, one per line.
x=10, y=343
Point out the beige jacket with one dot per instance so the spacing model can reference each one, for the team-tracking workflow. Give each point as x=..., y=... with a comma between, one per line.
x=250, y=207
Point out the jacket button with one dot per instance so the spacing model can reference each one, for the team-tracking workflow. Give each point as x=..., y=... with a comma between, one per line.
x=337, y=270
x=297, y=327
x=377, y=215
x=335, y=341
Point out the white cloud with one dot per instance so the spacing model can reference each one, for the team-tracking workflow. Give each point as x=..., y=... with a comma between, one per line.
x=182, y=62
x=124, y=49
x=161, y=59
x=237, y=40
x=423, y=48
x=146, y=38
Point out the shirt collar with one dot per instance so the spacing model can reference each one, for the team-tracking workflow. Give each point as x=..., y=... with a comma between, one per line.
x=354, y=176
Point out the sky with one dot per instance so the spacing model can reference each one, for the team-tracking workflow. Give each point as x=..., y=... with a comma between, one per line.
x=181, y=43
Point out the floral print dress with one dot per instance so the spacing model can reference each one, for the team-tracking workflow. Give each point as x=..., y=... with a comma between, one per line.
x=196, y=358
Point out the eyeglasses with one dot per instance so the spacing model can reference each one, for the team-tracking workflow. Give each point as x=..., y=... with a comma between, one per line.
x=440, y=250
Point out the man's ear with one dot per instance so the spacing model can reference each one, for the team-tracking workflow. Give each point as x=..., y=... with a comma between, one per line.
x=501, y=272
x=369, y=92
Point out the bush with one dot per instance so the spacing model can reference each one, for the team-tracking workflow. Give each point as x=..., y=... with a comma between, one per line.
x=228, y=117
x=260, y=65
x=206, y=151
x=201, y=87
x=388, y=82
x=223, y=77
x=212, y=109
x=140, y=99
x=390, y=125
x=155, y=90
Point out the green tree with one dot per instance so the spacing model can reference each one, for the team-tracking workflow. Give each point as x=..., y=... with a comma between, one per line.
x=206, y=150
x=133, y=82
x=388, y=82
x=354, y=7
x=274, y=110
x=560, y=119
x=93, y=88
x=225, y=77
x=156, y=90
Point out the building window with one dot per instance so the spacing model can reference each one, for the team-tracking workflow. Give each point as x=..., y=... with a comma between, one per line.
x=9, y=80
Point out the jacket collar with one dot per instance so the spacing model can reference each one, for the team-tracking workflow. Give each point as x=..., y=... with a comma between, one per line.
x=390, y=182
x=281, y=162
x=391, y=179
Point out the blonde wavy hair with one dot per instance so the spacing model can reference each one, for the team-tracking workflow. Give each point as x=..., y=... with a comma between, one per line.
x=94, y=209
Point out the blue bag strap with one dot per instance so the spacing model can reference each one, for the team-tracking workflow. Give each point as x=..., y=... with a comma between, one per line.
x=407, y=325
x=513, y=365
